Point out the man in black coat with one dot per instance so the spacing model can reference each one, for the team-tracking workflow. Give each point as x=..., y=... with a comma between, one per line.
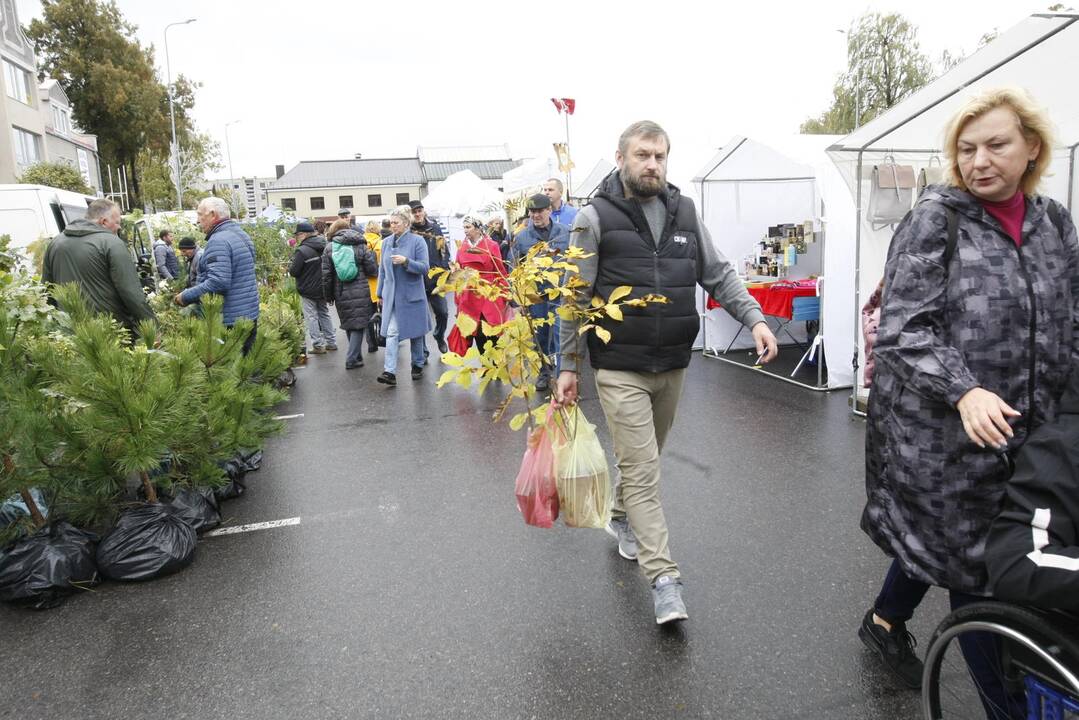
x=1032, y=553
x=438, y=253
x=306, y=267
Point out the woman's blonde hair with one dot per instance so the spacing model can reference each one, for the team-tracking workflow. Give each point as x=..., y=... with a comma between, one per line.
x=336, y=227
x=372, y=226
x=1033, y=124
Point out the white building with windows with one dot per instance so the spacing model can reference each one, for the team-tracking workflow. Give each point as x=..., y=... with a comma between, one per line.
x=249, y=191
x=35, y=119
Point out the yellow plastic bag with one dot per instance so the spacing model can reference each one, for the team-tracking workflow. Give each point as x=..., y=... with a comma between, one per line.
x=584, y=484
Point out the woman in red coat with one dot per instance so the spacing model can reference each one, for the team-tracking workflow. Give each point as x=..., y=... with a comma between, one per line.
x=480, y=252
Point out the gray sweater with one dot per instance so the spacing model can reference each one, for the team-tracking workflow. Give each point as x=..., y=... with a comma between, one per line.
x=714, y=273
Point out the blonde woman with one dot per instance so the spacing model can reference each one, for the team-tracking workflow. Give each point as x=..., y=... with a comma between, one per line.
x=977, y=337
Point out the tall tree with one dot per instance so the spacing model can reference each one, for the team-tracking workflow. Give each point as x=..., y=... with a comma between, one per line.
x=110, y=78
x=884, y=66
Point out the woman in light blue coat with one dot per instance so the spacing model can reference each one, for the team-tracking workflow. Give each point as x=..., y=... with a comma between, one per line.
x=400, y=288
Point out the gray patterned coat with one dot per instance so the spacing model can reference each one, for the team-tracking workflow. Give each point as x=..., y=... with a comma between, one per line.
x=932, y=492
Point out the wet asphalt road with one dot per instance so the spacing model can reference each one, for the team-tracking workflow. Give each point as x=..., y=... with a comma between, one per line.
x=413, y=589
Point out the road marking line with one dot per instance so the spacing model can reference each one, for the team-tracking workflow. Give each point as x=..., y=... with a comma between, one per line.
x=289, y=417
x=253, y=526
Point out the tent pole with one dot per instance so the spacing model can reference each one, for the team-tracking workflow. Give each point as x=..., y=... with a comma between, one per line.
x=1071, y=180
x=857, y=283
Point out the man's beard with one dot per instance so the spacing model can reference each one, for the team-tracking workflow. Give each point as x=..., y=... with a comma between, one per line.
x=642, y=186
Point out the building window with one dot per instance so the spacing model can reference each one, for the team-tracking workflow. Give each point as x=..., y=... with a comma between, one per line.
x=402, y=198
x=60, y=122
x=374, y=201
x=18, y=82
x=26, y=149
x=318, y=203
x=288, y=204
x=345, y=201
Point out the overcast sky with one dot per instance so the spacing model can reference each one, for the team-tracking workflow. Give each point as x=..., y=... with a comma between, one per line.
x=325, y=79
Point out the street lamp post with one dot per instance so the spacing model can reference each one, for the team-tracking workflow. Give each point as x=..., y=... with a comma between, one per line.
x=228, y=153
x=172, y=115
x=857, y=84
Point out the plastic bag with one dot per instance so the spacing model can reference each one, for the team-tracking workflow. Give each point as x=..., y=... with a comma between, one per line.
x=42, y=570
x=197, y=507
x=236, y=485
x=250, y=459
x=584, y=484
x=14, y=508
x=537, y=494
x=149, y=541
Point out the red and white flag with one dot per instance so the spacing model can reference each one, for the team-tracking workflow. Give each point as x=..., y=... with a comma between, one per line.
x=567, y=104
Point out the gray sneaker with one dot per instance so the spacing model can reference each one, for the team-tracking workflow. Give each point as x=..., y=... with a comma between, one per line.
x=667, y=597
x=619, y=529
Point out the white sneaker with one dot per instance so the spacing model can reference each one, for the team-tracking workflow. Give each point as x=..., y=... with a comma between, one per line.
x=667, y=597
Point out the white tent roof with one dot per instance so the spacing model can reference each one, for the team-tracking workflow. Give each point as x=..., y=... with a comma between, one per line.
x=1038, y=54
x=746, y=159
x=462, y=193
x=587, y=187
x=530, y=174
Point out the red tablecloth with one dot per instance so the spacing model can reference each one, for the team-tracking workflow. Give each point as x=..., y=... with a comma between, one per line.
x=778, y=299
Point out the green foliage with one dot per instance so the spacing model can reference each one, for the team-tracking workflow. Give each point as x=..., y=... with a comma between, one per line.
x=884, y=66
x=512, y=358
x=272, y=252
x=56, y=175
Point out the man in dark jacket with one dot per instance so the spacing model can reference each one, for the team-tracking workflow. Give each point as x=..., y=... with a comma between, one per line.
x=90, y=254
x=438, y=253
x=227, y=267
x=541, y=228
x=306, y=267
x=193, y=253
x=168, y=267
x=642, y=232
x=1032, y=553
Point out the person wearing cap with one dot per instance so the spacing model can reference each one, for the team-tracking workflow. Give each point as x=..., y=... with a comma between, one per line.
x=438, y=254
x=192, y=253
x=561, y=212
x=640, y=231
x=345, y=214
x=306, y=267
x=541, y=228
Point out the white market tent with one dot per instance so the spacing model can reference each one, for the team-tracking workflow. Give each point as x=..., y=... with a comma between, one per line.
x=1039, y=54
x=749, y=186
x=530, y=174
x=462, y=193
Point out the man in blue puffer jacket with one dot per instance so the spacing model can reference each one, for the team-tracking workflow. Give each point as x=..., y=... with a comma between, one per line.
x=227, y=267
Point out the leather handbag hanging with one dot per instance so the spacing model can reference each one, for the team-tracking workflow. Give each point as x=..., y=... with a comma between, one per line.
x=891, y=192
x=930, y=175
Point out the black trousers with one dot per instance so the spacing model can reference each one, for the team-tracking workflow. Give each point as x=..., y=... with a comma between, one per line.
x=442, y=315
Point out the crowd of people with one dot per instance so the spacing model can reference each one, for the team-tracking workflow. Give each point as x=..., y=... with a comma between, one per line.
x=975, y=330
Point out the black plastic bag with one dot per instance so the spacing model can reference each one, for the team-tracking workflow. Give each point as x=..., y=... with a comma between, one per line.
x=198, y=508
x=285, y=380
x=149, y=541
x=236, y=485
x=250, y=459
x=42, y=570
x=373, y=332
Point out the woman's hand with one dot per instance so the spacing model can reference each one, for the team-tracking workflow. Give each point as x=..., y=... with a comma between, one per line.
x=398, y=259
x=985, y=417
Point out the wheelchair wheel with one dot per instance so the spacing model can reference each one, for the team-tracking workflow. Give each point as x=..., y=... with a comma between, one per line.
x=1024, y=651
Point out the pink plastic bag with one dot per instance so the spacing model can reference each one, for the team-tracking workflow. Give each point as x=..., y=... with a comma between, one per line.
x=537, y=492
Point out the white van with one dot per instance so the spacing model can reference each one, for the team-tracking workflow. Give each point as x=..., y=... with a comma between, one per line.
x=31, y=212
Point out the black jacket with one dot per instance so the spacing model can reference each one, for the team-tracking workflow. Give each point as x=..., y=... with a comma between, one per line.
x=1032, y=553
x=433, y=235
x=306, y=267
x=657, y=337
x=353, y=298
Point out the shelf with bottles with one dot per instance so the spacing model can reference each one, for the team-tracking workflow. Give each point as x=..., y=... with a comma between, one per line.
x=778, y=251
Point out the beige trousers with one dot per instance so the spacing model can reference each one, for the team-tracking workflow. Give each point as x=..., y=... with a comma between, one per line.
x=640, y=409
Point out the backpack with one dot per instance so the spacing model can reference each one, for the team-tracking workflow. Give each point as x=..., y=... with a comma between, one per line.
x=344, y=262
x=953, y=230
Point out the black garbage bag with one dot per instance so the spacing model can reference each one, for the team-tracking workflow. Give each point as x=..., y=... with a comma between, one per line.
x=14, y=508
x=198, y=508
x=285, y=380
x=235, y=487
x=149, y=541
x=43, y=569
x=251, y=459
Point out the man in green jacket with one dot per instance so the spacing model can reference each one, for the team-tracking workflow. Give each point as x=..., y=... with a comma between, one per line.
x=89, y=253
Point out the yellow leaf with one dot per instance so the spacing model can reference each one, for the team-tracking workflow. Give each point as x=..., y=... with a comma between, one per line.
x=614, y=312
x=597, y=301
x=447, y=377
x=452, y=359
x=603, y=334
x=466, y=324
x=619, y=292
x=584, y=328
x=565, y=312
x=518, y=421
x=490, y=330
x=465, y=379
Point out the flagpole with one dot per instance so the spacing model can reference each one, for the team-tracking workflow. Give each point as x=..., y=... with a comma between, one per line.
x=569, y=168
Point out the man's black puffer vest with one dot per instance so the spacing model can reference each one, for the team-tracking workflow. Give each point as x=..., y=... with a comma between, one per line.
x=657, y=337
